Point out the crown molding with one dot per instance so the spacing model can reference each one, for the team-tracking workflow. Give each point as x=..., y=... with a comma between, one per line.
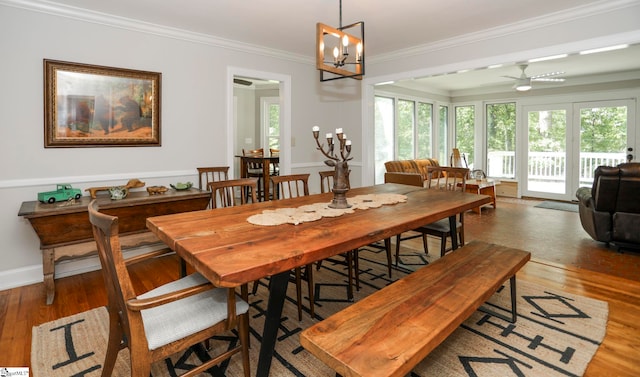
x=531, y=24
x=105, y=19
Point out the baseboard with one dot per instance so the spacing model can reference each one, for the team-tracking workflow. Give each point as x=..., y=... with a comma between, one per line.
x=20, y=277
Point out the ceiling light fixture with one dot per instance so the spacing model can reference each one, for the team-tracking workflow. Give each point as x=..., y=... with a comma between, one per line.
x=346, y=48
x=603, y=49
x=552, y=57
x=523, y=85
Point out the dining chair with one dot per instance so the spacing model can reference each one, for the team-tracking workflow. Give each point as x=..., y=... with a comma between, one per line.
x=166, y=319
x=326, y=180
x=254, y=169
x=233, y=192
x=293, y=186
x=351, y=258
x=440, y=178
x=275, y=166
x=211, y=174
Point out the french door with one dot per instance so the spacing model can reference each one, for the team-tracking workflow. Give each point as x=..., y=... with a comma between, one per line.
x=566, y=142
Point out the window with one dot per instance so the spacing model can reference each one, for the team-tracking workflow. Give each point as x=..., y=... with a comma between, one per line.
x=501, y=140
x=384, y=127
x=271, y=122
x=442, y=135
x=465, y=128
x=403, y=131
x=424, y=126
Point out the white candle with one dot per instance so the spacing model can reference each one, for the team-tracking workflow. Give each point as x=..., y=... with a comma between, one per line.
x=344, y=136
x=348, y=142
x=338, y=130
x=329, y=135
x=315, y=129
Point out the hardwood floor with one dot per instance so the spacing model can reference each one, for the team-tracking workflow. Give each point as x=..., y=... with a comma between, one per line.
x=563, y=256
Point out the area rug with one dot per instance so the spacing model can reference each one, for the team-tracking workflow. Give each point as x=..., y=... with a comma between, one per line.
x=561, y=206
x=556, y=333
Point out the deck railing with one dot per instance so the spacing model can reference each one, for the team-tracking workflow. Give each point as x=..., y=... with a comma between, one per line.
x=550, y=166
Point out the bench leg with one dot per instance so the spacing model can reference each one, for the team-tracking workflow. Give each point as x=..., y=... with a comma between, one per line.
x=514, y=313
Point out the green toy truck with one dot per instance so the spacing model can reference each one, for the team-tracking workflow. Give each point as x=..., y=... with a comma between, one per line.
x=63, y=192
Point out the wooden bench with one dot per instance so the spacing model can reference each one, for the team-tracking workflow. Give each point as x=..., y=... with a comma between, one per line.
x=389, y=332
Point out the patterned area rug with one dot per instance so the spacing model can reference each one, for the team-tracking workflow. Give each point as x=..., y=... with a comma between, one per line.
x=556, y=334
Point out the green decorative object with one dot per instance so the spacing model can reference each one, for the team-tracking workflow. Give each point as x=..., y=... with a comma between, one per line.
x=63, y=192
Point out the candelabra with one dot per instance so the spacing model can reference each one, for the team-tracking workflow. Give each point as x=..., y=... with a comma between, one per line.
x=339, y=163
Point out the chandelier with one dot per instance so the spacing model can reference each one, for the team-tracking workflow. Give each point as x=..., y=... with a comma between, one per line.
x=345, y=48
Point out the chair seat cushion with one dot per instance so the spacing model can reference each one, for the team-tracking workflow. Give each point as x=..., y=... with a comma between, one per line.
x=167, y=323
x=441, y=226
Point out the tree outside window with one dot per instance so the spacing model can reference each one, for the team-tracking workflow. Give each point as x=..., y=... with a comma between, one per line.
x=465, y=125
x=501, y=139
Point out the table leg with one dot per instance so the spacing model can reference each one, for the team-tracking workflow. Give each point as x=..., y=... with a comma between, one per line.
x=49, y=271
x=454, y=232
x=266, y=166
x=277, y=293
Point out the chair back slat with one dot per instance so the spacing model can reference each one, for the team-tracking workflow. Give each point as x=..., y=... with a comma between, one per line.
x=291, y=186
x=211, y=174
x=326, y=180
x=447, y=178
x=233, y=192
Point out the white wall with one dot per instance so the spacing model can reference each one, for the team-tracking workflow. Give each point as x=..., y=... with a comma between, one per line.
x=193, y=118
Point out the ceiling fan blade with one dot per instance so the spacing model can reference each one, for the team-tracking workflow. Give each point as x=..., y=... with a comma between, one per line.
x=512, y=77
x=242, y=82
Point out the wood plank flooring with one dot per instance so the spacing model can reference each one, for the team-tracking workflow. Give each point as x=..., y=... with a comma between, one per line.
x=563, y=256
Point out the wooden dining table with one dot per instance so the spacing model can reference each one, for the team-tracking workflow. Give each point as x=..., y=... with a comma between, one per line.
x=229, y=251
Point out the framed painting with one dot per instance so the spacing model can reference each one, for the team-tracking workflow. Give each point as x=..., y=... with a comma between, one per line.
x=95, y=106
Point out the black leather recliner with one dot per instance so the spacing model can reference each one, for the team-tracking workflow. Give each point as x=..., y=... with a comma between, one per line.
x=610, y=209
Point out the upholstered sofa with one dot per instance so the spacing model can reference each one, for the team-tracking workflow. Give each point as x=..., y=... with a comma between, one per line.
x=417, y=166
x=610, y=209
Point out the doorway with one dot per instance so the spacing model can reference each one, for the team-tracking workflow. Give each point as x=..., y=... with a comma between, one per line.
x=567, y=142
x=255, y=101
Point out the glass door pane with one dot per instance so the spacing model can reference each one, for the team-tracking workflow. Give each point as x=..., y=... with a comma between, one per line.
x=547, y=169
x=603, y=137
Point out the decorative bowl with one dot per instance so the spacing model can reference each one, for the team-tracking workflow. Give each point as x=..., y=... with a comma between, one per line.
x=181, y=186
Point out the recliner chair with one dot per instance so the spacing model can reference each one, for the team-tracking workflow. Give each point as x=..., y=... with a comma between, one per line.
x=610, y=209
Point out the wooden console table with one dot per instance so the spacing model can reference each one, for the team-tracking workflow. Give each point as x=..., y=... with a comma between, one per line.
x=483, y=187
x=65, y=232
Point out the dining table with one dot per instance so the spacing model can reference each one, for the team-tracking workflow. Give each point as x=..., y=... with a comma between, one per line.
x=229, y=251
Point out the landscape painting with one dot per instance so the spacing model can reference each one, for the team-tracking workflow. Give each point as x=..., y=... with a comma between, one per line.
x=90, y=106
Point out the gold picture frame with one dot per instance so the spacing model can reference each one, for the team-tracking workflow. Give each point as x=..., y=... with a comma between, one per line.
x=95, y=106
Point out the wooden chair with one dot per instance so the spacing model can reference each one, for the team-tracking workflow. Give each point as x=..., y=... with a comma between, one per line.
x=326, y=180
x=211, y=174
x=233, y=192
x=293, y=186
x=351, y=257
x=254, y=169
x=164, y=320
x=440, y=178
x=275, y=166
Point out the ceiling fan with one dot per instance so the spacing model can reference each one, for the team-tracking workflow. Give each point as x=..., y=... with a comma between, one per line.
x=242, y=82
x=523, y=83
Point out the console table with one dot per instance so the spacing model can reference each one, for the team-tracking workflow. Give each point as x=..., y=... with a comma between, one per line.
x=483, y=187
x=65, y=232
